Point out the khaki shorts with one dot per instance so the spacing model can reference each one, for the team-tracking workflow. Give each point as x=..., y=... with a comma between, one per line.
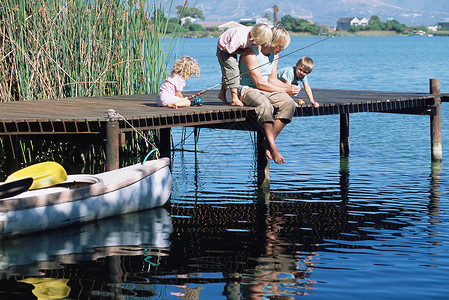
x=269, y=105
x=229, y=69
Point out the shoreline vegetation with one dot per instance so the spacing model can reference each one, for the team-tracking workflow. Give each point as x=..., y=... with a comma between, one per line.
x=59, y=49
x=54, y=49
x=368, y=33
x=301, y=27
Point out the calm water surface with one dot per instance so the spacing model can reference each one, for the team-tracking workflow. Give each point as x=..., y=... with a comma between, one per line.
x=373, y=226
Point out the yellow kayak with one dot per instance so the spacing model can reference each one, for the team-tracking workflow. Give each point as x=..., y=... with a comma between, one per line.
x=44, y=174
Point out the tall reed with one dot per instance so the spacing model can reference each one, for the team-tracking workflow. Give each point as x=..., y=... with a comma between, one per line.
x=52, y=49
x=81, y=48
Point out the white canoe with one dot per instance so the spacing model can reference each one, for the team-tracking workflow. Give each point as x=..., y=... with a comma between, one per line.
x=121, y=191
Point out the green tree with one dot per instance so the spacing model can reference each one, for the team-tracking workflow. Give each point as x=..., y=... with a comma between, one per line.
x=174, y=26
x=192, y=12
x=395, y=26
x=267, y=16
x=299, y=25
x=375, y=23
x=353, y=28
x=275, y=14
x=288, y=22
x=196, y=27
x=423, y=28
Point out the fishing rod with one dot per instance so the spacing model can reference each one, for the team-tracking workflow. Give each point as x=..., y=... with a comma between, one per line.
x=214, y=86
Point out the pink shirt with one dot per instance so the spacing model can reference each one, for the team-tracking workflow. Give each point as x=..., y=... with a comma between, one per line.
x=167, y=93
x=234, y=38
x=172, y=84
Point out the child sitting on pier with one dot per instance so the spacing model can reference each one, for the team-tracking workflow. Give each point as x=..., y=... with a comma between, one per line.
x=237, y=41
x=298, y=73
x=170, y=93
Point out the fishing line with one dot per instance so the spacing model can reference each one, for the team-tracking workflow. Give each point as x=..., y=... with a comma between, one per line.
x=214, y=86
x=114, y=114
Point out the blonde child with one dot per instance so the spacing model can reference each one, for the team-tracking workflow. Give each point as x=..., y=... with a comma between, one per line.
x=170, y=93
x=298, y=73
x=237, y=41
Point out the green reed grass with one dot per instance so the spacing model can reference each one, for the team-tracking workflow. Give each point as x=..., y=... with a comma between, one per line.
x=82, y=48
x=52, y=49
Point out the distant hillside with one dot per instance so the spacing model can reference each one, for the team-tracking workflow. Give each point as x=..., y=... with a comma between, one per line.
x=327, y=12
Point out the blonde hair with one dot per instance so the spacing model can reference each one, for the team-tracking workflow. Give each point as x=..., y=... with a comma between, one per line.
x=261, y=34
x=185, y=67
x=306, y=63
x=280, y=36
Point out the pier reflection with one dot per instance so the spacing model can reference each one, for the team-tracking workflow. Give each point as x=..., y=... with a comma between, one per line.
x=267, y=248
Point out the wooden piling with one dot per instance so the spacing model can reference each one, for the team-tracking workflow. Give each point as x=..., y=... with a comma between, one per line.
x=344, y=135
x=164, y=142
x=435, y=122
x=263, y=165
x=112, y=145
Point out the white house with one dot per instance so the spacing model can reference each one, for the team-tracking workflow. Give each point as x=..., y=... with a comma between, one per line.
x=256, y=21
x=183, y=20
x=221, y=25
x=344, y=23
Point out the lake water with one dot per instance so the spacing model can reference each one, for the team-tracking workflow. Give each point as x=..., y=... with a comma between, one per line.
x=372, y=226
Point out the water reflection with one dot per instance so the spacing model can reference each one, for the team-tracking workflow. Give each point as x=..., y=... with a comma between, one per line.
x=435, y=189
x=268, y=247
x=28, y=255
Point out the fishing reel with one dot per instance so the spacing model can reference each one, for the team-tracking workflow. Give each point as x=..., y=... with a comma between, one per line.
x=196, y=101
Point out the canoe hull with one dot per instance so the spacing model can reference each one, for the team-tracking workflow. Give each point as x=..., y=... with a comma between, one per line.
x=117, y=192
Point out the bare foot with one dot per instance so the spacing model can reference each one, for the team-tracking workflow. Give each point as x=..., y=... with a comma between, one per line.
x=277, y=157
x=172, y=105
x=222, y=97
x=237, y=102
x=273, y=154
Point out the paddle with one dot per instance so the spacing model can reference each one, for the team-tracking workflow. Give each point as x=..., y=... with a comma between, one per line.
x=15, y=187
x=44, y=174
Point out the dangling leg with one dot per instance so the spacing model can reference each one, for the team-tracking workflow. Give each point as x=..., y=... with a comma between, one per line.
x=272, y=150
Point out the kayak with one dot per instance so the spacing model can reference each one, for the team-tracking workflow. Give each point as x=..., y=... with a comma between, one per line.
x=84, y=198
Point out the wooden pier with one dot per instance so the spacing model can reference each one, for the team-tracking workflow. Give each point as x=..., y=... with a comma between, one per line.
x=89, y=118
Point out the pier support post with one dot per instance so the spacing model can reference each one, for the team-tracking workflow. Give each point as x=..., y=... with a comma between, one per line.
x=435, y=123
x=263, y=165
x=164, y=142
x=344, y=135
x=112, y=145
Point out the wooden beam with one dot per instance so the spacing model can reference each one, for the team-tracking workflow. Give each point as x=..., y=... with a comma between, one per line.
x=435, y=122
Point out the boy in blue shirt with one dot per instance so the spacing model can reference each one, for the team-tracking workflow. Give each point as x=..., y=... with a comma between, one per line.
x=298, y=73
